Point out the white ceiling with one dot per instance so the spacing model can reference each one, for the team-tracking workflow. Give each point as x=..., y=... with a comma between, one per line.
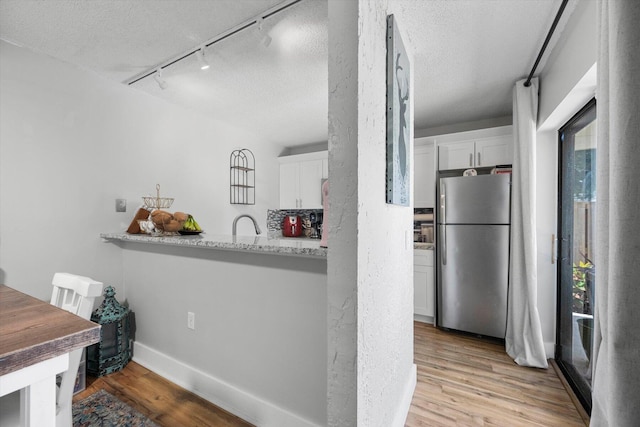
x=467, y=54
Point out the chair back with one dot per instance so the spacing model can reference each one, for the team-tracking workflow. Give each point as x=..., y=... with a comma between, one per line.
x=75, y=294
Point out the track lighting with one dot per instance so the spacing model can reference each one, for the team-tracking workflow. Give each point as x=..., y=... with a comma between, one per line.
x=266, y=38
x=158, y=78
x=204, y=65
x=156, y=70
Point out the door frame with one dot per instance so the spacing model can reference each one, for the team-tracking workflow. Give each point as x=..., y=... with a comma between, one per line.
x=581, y=390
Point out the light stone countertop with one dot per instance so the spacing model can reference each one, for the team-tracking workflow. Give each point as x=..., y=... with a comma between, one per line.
x=420, y=245
x=291, y=246
x=255, y=244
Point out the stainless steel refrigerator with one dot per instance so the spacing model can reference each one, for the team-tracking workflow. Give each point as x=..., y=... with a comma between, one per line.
x=473, y=226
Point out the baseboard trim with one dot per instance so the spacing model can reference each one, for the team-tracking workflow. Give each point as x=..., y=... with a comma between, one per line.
x=405, y=404
x=423, y=319
x=228, y=397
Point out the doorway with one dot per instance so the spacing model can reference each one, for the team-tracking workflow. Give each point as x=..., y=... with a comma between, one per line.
x=576, y=270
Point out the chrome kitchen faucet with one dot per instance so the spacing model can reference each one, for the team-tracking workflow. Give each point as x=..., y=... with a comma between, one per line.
x=235, y=223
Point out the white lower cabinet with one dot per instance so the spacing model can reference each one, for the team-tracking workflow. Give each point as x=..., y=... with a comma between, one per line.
x=423, y=285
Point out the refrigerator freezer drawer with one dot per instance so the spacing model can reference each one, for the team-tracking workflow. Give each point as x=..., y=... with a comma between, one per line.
x=473, y=268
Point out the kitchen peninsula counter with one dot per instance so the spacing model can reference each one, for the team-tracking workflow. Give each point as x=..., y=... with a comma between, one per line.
x=257, y=341
x=258, y=244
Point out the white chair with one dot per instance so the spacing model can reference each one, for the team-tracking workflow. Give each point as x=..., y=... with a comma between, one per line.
x=75, y=294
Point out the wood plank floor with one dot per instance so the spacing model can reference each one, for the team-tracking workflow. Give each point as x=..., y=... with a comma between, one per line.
x=466, y=381
x=162, y=401
x=462, y=381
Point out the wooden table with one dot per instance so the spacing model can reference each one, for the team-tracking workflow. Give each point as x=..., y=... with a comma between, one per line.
x=35, y=341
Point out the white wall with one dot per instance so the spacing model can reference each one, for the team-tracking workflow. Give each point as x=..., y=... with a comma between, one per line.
x=567, y=83
x=574, y=54
x=371, y=375
x=260, y=339
x=464, y=127
x=72, y=142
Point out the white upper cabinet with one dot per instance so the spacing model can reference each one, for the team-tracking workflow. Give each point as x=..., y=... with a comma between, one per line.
x=301, y=178
x=483, y=148
x=424, y=187
x=494, y=151
x=289, y=185
x=325, y=167
x=456, y=155
x=310, y=195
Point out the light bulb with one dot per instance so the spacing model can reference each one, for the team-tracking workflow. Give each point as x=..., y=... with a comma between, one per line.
x=204, y=65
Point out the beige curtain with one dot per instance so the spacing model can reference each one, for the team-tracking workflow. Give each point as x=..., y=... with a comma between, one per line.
x=524, y=342
x=616, y=376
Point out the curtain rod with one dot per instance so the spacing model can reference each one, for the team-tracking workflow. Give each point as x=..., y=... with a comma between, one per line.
x=546, y=41
x=246, y=24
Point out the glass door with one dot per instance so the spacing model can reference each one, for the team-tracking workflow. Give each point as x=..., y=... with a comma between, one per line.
x=576, y=270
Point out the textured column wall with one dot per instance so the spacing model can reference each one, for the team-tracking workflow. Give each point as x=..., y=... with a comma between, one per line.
x=370, y=270
x=342, y=214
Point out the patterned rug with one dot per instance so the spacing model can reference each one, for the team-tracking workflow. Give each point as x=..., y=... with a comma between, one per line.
x=105, y=410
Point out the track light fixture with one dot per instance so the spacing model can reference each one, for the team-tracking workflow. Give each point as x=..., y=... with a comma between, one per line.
x=204, y=64
x=156, y=70
x=266, y=38
x=158, y=78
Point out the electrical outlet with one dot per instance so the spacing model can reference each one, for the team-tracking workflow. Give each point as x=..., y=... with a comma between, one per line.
x=191, y=320
x=121, y=205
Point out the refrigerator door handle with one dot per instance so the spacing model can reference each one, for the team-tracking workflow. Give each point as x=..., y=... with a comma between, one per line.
x=443, y=246
x=443, y=209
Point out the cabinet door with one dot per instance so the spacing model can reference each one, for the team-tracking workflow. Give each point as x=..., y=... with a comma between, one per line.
x=420, y=298
x=289, y=185
x=423, y=283
x=431, y=293
x=456, y=155
x=424, y=177
x=494, y=151
x=311, y=184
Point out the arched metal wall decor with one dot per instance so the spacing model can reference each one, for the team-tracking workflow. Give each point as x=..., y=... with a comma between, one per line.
x=242, y=178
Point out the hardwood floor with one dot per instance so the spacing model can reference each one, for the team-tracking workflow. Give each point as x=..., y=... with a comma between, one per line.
x=465, y=381
x=462, y=381
x=162, y=401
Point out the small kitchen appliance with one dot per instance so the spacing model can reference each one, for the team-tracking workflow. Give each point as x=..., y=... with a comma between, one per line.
x=292, y=226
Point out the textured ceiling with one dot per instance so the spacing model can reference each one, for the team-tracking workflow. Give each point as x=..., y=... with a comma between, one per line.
x=467, y=54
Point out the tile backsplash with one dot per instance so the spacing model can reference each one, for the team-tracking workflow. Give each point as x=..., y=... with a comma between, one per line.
x=275, y=217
